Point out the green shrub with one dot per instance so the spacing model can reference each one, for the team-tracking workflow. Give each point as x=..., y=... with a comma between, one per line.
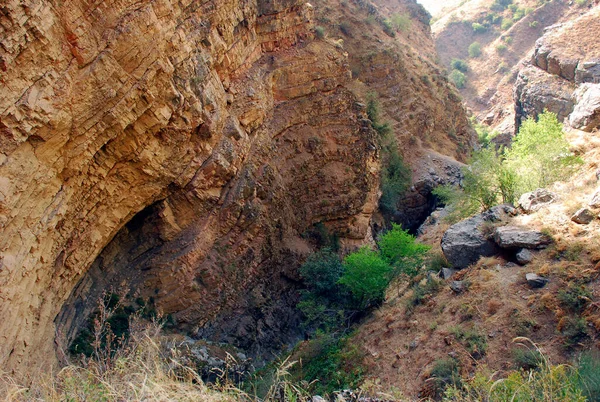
x=366, y=276
x=395, y=178
x=331, y=364
x=458, y=79
x=500, y=5
x=588, y=378
x=422, y=291
x=506, y=24
x=501, y=48
x=460, y=65
x=475, y=49
x=345, y=28
x=320, y=32
x=401, y=250
x=479, y=28
x=486, y=182
x=373, y=110
x=574, y=331
x=321, y=272
x=549, y=383
x=539, y=155
x=575, y=297
x=527, y=359
x=400, y=22
x=534, y=24
x=445, y=373
x=474, y=341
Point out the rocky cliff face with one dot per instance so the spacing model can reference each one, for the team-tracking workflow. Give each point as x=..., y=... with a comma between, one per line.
x=564, y=74
x=178, y=150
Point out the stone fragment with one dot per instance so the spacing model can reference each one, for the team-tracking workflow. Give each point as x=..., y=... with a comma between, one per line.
x=524, y=256
x=583, y=216
x=536, y=281
x=318, y=398
x=595, y=201
x=464, y=243
x=533, y=201
x=457, y=286
x=446, y=273
x=513, y=237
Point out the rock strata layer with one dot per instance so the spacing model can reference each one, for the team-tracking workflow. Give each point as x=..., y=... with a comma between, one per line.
x=179, y=150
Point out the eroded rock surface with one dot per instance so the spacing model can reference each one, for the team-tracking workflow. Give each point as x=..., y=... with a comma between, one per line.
x=180, y=149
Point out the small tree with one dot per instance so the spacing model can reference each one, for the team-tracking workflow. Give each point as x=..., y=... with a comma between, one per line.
x=400, y=249
x=475, y=49
x=540, y=155
x=458, y=79
x=366, y=276
x=321, y=271
x=460, y=65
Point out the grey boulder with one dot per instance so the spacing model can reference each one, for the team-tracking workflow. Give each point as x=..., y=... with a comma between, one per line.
x=457, y=286
x=536, y=281
x=524, y=256
x=583, y=216
x=513, y=237
x=446, y=273
x=533, y=201
x=586, y=114
x=464, y=243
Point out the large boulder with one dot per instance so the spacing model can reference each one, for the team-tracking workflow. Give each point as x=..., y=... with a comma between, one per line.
x=586, y=115
x=533, y=201
x=513, y=237
x=465, y=242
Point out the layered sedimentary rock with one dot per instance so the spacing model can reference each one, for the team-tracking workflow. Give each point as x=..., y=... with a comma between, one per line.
x=178, y=151
x=195, y=109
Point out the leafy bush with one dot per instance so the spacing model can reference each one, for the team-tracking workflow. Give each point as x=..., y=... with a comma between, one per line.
x=486, y=182
x=479, y=28
x=506, y=24
x=331, y=364
x=475, y=49
x=445, y=373
x=574, y=330
x=401, y=250
x=527, y=359
x=474, y=341
x=501, y=48
x=500, y=5
x=366, y=276
x=458, y=79
x=395, y=175
x=421, y=292
x=575, y=297
x=373, y=114
x=320, y=32
x=540, y=155
x=321, y=272
x=345, y=28
x=400, y=22
x=395, y=178
x=460, y=65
